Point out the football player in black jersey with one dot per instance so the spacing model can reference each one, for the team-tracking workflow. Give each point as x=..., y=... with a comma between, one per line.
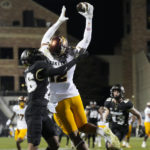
x=36, y=77
x=92, y=113
x=118, y=108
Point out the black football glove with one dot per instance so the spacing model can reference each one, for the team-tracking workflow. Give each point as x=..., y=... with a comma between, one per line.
x=81, y=53
x=141, y=131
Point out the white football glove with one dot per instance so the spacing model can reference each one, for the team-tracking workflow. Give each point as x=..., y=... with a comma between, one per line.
x=51, y=107
x=8, y=122
x=88, y=14
x=62, y=17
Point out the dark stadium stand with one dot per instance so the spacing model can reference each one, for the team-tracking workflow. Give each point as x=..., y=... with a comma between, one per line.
x=3, y=118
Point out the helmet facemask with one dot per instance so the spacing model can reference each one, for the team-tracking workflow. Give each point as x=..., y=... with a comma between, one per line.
x=120, y=90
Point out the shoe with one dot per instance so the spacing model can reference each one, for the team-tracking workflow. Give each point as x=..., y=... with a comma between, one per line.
x=123, y=144
x=128, y=146
x=143, y=145
x=111, y=139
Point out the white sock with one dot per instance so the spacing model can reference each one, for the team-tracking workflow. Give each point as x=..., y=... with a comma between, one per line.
x=100, y=131
x=99, y=140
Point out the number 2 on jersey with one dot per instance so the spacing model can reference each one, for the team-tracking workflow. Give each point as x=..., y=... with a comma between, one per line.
x=59, y=78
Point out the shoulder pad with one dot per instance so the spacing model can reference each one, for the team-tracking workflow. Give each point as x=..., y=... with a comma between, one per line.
x=109, y=99
x=126, y=100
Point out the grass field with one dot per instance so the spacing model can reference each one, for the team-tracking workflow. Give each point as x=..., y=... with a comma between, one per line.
x=9, y=144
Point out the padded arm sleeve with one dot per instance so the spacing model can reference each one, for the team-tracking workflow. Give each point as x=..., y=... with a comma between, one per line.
x=57, y=71
x=84, y=43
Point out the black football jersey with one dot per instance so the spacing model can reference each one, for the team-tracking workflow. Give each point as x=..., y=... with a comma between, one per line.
x=93, y=114
x=38, y=90
x=119, y=112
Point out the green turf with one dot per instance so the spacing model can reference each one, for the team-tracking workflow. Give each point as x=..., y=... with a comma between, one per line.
x=9, y=144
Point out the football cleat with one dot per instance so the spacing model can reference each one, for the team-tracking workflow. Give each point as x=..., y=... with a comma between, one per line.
x=143, y=144
x=111, y=139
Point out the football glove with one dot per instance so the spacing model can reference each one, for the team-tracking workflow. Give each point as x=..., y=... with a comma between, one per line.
x=89, y=13
x=8, y=122
x=81, y=53
x=141, y=131
x=62, y=17
x=51, y=107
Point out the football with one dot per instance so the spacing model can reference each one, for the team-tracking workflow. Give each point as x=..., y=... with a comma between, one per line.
x=82, y=7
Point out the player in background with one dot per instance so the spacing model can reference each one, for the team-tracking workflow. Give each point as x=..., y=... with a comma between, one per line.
x=92, y=115
x=70, y=115
x=101, y=123
x=119, y=107
x=146, y=124
x=126, y=140
x=21, y=129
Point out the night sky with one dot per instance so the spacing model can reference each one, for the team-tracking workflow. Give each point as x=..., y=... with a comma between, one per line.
x=107, y=22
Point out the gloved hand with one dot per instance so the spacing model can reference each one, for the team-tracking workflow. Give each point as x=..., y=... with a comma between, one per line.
x=62, y=17
x=141, y=131
x=8, y=122
x=88, y=14
x=81, y=53
x=51, y=107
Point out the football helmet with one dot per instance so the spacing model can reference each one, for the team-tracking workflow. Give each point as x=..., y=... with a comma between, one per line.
x=22, y=100
x=58, y=46
x=28, y=57
x=119, y=88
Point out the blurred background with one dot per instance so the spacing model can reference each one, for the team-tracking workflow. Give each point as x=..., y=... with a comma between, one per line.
x=119, y=51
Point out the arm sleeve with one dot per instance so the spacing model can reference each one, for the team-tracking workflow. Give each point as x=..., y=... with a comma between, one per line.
x=14, y=109
x=84, y=43
x=49, y=71
x=46, y=39
x=50, y=32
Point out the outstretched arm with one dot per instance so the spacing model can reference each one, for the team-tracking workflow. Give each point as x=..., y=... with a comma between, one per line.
x=11, y=119
x=84, y=43
x=106, y=113
x=51, y=31
x=137, y=114
x=49, y=71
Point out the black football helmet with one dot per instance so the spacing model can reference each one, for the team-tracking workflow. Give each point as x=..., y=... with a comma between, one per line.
x=28, y=57
x=119, y=88
x=58, y=46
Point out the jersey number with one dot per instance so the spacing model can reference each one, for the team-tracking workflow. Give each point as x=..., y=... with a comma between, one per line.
x=21, y=116
x=118, y=119
x=59, y=78
x=31, y=84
